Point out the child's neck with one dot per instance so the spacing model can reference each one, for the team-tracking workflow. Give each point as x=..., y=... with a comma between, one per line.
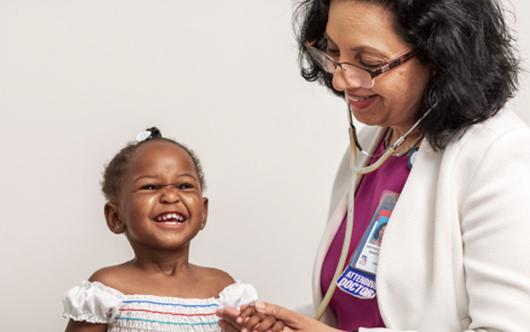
x=166, y=263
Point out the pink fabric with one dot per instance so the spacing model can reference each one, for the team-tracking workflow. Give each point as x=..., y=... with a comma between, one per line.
x=352, y=312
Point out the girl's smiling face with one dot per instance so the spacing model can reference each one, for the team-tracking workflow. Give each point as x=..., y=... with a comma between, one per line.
x=363, y=34
x=160, y=205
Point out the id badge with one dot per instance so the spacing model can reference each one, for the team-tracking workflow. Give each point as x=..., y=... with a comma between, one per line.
x=358, y=279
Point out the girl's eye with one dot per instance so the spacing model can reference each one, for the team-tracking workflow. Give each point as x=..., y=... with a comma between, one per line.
x=149, y=187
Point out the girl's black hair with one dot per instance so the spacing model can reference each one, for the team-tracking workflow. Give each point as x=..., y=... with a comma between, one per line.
x=466, y=42
x=116, y=168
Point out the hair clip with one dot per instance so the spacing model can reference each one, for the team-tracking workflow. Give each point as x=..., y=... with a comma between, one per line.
x=147, y=134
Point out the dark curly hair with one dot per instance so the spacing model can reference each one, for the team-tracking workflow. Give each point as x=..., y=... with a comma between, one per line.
x=116, y=168
x=467, y=43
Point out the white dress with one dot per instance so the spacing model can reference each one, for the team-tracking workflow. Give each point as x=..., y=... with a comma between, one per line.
x=94, y=302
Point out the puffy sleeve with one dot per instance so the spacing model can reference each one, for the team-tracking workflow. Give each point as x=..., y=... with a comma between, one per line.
x=92, y=302
x=238, y=294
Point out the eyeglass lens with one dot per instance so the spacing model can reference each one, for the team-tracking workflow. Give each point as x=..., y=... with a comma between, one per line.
x=355, y=75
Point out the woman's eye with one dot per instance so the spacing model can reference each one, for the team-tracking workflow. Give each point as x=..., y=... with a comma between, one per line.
x=371, y=65
x=332, y=52
x=370, y=62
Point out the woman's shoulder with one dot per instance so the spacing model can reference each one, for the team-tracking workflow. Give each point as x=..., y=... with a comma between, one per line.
x=505, y=126
x=499, y=138
x=491, y=155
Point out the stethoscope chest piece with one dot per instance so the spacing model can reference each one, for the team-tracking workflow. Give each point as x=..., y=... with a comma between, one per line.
x=412, y=157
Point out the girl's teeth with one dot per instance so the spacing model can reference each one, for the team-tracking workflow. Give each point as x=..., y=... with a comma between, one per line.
x=171, y=216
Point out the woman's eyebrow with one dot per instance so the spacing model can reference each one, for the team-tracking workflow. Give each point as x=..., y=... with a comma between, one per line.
x=358, y=49
x=328, y=38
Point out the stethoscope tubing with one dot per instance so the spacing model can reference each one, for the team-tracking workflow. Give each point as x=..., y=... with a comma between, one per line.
x=354, y=145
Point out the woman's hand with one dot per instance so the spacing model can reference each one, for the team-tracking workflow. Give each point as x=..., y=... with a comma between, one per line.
x=231, y=321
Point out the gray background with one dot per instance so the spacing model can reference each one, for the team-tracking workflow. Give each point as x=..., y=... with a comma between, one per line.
x=80, y=78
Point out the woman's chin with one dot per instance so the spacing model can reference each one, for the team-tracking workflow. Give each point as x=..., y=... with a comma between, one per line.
x=367, y=118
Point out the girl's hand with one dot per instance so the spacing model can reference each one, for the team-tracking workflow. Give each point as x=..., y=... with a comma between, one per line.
x=254, y=321
x=248, y=319
x=293, y=321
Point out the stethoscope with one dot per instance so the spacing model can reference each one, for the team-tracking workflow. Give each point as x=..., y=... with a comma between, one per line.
x=354, y=145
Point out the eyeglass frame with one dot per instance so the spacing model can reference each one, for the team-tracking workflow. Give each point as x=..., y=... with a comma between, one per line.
x=373, y=73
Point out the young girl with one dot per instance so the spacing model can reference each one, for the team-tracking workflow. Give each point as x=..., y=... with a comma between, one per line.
x=154, y=197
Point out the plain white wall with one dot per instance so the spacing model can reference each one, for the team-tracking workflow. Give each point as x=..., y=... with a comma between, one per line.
x=80, y=78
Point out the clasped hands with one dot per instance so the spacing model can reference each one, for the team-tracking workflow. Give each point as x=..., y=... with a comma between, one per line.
x=266, y=317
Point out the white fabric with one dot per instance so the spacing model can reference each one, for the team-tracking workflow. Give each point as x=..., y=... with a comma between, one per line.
x=92, y=302
x=455, y=253
x=96, y=303
x=238, y=294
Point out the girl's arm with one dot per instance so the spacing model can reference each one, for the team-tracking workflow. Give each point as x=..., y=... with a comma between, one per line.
x=75, y=326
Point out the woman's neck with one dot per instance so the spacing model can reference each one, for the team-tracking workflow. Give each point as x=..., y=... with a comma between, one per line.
x=398, y=131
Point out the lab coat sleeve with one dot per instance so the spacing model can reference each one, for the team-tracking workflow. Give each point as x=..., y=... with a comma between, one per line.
x=496, y=238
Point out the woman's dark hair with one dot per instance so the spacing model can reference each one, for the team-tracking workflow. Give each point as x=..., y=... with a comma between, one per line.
x=466, y=42
x=116, y=168
x=378, y=230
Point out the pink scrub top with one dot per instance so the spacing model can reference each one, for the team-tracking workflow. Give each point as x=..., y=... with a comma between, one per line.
x=353, y=312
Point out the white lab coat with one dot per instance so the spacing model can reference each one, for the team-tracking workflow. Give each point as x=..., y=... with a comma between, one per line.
x=455, y=256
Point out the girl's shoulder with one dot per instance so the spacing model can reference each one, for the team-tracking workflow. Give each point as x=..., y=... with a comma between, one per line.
x=214, y=276
x=116, y=277
x=230, y=292
x=210, y=280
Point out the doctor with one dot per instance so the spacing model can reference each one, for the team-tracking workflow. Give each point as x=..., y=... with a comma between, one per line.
x=451, y=180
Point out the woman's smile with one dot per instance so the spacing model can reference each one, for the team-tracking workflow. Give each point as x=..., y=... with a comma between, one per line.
x=360, y=102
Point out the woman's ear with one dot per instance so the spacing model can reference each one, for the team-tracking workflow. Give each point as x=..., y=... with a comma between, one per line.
x=204, y=212
x=112, y=215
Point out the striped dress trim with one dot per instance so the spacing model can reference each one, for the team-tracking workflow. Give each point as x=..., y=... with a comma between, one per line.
x=174, y=304
x=167, y=313
x=162, y=322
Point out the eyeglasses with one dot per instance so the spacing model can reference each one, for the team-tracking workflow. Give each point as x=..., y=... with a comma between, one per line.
x=357, y=75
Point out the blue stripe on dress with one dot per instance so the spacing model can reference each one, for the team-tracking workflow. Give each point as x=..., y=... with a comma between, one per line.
x=173, y=304
x=161, y=322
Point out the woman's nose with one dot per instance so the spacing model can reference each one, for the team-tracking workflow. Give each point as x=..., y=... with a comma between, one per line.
x=341, y=82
